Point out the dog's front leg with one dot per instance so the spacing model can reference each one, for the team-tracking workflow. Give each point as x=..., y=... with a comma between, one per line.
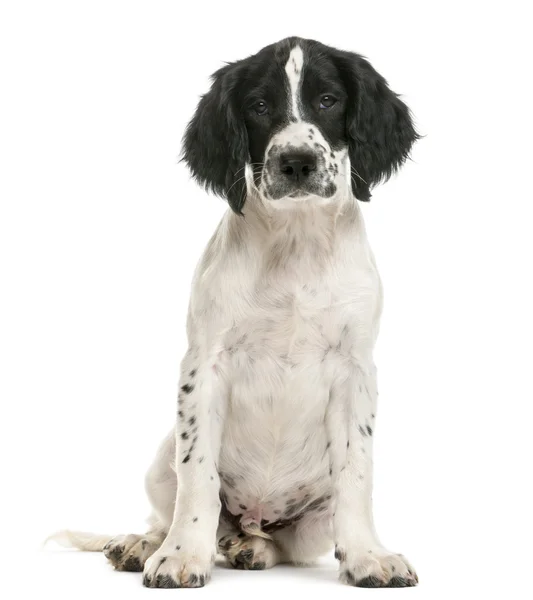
x=364, y=562
x=186, y=556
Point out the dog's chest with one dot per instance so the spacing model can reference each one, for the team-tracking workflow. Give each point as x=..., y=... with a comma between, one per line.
x=281, y=362
x=292, y=334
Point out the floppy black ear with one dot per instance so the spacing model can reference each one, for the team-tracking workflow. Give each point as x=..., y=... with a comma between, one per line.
x=215, y=145
x=379, y=126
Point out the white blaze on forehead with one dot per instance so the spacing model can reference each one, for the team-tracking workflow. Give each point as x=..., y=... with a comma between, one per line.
x=293, y=68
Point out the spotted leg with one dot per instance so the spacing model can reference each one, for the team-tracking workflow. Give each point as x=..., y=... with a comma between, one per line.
x=364, y=562
x=186, y=556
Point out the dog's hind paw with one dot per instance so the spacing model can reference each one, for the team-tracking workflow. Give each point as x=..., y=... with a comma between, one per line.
x=248, y=552
x=130, y=552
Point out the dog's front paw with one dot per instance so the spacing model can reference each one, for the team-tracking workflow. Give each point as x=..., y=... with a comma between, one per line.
x=180, y=568
x=375, y=568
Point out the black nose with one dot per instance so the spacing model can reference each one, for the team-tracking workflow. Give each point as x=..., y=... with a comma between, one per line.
x=297, y=165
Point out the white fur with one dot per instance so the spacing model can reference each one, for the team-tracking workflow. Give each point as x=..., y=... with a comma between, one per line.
x=293, y=69
x=280, y=383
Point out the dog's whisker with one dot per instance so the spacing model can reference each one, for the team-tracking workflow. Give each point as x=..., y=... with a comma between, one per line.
x=357, y=174
x=235, y=183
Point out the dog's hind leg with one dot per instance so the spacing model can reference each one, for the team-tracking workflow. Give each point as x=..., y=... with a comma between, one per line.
x=130, y=552
x=306, y=540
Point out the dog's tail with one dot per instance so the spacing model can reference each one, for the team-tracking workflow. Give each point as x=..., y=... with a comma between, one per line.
x=88, y=542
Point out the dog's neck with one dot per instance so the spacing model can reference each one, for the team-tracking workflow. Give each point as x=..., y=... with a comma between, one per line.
x=302, y=232
x=301, y=217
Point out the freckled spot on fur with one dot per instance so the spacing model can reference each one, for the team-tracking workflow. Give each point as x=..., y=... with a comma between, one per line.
x=180, y=414
x=184, y=436
x=195, y=519
x=328, y=445
x=192, y=373
x=212, y=478
x=186, y=459
x=178, y=547
x=331, y=471
x=348, y=444
x=192, y=420
x=228, y=480
x=362, y=431
x=201, y=459
x=301, y=487
x=187, y=388
x=369, y=429
x=340, y=554
x=242, y=506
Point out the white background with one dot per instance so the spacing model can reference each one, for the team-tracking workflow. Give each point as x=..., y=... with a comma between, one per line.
x=100, y=229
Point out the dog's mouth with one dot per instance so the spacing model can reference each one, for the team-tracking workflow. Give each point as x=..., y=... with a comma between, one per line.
x=281, y=190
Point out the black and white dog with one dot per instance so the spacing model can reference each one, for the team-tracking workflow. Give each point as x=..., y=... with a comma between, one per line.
x=271, y=457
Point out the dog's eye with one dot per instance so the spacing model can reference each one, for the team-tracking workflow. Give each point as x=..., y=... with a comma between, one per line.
x=327, y=101
x=261, y=108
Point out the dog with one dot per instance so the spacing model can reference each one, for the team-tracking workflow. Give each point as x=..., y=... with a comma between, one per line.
x=270, y=460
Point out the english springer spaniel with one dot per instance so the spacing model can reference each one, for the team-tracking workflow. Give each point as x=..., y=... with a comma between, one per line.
x=270, y=460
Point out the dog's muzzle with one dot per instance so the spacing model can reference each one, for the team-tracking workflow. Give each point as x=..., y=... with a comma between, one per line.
x=296, y=171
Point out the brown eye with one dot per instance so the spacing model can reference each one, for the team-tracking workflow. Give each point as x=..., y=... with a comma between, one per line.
x=261, y=108
x=327, y=101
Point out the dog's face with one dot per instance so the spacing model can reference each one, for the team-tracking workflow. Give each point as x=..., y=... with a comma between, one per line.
x=297, y=121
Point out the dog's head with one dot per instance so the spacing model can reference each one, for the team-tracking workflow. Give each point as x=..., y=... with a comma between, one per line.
x=297, y=121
